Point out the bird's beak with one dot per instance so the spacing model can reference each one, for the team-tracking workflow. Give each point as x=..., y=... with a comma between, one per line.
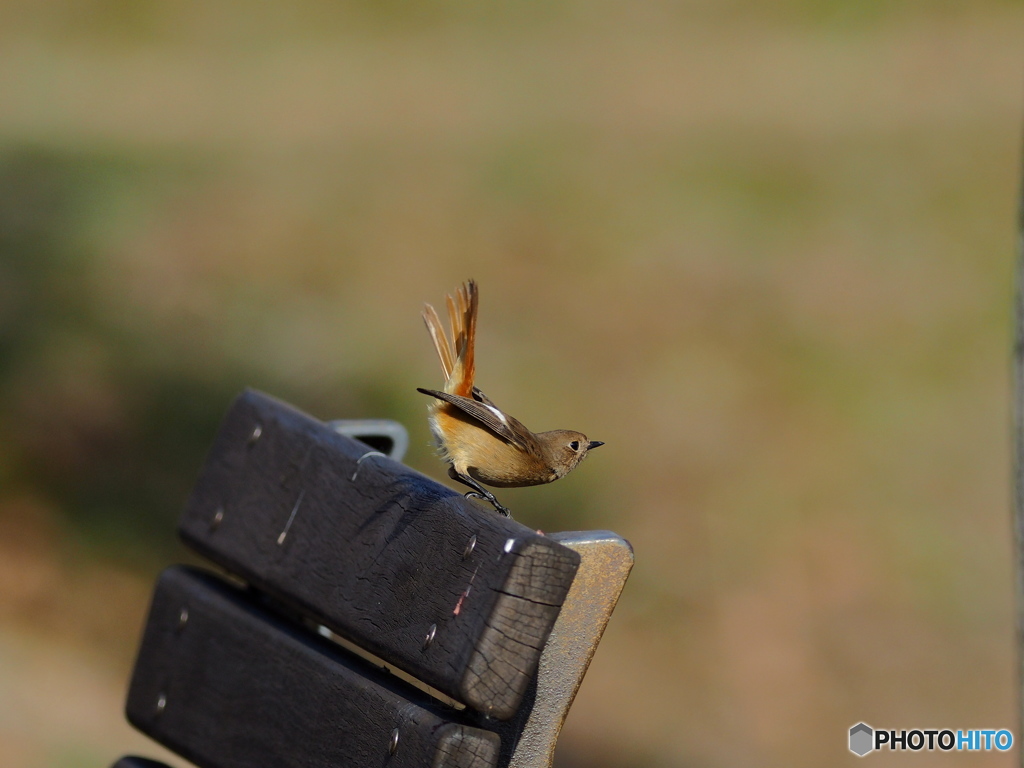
x=594, y=444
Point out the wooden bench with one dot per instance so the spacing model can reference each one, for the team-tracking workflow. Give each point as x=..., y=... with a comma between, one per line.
x=366, y=615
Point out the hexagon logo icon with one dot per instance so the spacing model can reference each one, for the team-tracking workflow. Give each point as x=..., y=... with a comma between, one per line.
x=861, y=739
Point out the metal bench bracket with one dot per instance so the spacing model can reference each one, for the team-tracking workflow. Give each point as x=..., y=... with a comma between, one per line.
x=605, y=562
x=387, y=436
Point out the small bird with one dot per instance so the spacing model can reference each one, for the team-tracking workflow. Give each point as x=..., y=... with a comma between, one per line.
x=482, y=443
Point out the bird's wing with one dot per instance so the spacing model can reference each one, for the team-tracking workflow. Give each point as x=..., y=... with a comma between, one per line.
x=487, y=414
x=481, y=397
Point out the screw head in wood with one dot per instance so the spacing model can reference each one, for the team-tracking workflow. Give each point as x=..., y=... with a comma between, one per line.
x=469, y=547
x=393, y=746
x=430, y=636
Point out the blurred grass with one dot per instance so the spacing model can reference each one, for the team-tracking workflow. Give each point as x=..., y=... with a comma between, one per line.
x=764, y=251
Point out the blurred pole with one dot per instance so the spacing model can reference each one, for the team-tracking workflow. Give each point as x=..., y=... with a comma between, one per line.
x=1018, y=447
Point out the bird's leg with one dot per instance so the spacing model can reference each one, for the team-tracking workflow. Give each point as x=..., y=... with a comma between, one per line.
x=478, y=490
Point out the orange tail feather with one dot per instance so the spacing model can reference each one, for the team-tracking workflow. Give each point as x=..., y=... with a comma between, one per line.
x=457, y=351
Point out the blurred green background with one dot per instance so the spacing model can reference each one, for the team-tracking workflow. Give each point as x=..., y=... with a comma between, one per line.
x=763, y=250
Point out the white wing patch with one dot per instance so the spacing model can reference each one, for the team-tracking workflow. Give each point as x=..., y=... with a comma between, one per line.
x=496, y=412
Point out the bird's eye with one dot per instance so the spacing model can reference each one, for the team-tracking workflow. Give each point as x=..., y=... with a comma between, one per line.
x=575, y=445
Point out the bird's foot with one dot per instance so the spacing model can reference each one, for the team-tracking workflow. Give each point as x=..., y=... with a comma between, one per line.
x=494, y=502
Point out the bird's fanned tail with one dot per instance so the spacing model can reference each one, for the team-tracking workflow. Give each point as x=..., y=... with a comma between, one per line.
x=457, y=350
x=437, y=335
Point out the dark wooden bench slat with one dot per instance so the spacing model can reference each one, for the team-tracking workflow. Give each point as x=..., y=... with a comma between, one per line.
x=386, y=561
x=227, y=684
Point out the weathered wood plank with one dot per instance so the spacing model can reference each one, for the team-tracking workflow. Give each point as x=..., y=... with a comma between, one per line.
x=228, y=684
x=387, y=560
